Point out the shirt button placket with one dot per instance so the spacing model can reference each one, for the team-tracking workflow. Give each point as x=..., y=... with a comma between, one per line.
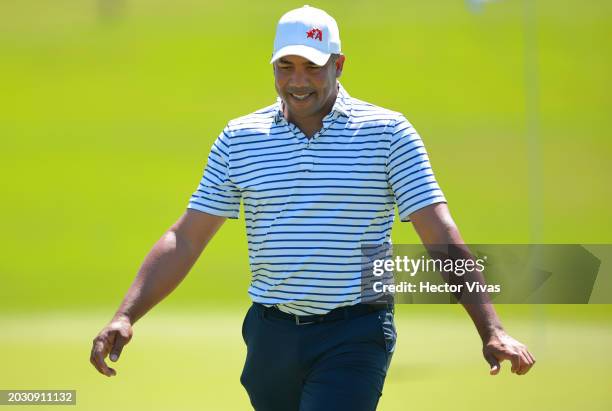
x=307, y=157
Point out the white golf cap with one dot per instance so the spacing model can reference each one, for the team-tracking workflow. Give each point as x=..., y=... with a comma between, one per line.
x=308, y=32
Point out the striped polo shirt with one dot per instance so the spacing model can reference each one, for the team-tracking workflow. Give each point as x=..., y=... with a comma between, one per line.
x=309, y=204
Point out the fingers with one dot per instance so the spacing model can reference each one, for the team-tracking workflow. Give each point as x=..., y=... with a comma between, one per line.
x=515, y=359
x=522, y=361
x=111, y=340
x=121, y=339
x=527, y=362
x=531, y=357
x=100, y=349
x=493, y=363
x=507, y=348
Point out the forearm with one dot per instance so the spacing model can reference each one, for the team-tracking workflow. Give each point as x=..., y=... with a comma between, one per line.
x=163, y=269
x=485, y=319
x=477, y=304
x=441, y=237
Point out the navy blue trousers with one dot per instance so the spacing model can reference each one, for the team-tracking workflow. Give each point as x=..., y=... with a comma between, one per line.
x=336, y=365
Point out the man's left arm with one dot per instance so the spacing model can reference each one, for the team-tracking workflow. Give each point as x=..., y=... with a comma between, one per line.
x=435, y=226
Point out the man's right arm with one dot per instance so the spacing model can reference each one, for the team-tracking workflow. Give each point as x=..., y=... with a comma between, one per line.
x=163, y=269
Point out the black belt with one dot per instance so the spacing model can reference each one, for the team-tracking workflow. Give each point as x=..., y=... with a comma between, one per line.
x=339, y=313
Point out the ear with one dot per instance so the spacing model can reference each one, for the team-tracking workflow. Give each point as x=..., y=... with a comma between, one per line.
x=340, y=65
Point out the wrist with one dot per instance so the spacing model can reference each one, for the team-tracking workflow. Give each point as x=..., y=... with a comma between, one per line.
x=492, y=332
x=122, y=317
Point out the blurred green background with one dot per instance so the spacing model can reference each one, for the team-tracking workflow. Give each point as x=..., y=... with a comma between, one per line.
x=108, y=109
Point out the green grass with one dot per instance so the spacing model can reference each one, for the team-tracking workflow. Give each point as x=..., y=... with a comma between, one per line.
x=105, y=128
x=191, y=360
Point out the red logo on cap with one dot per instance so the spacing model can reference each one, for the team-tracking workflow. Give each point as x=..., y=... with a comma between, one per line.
x=314, y=33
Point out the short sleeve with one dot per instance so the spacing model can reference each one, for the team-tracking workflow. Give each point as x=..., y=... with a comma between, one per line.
x=216, y=194
x=409, y=172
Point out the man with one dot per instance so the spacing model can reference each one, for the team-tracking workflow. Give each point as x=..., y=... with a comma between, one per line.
x=319, y=174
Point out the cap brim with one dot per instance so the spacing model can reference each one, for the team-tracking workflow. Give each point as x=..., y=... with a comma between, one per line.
x=316, y=56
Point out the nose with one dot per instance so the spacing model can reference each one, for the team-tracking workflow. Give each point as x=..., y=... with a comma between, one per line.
x=299, y=80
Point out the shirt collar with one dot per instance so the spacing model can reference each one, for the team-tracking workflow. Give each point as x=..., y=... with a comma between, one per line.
x=342, y=105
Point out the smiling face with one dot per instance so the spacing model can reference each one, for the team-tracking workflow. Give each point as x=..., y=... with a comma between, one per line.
x=307, y=89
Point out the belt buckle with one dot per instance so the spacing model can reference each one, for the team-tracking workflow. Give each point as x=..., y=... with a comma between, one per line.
x=298, y=322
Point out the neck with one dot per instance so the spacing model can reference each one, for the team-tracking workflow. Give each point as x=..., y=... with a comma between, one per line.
x=310, y=124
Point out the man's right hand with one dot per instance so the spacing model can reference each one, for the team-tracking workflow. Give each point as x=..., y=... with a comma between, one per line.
x=165, y=266
x=111, y=340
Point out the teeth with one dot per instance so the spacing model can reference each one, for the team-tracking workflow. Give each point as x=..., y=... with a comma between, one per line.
x=300, y=96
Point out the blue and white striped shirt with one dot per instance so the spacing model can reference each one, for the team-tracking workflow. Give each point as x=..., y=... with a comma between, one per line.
x=309, y=204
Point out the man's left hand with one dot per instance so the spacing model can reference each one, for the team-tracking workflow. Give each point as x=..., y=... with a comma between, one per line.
x=500, y=347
